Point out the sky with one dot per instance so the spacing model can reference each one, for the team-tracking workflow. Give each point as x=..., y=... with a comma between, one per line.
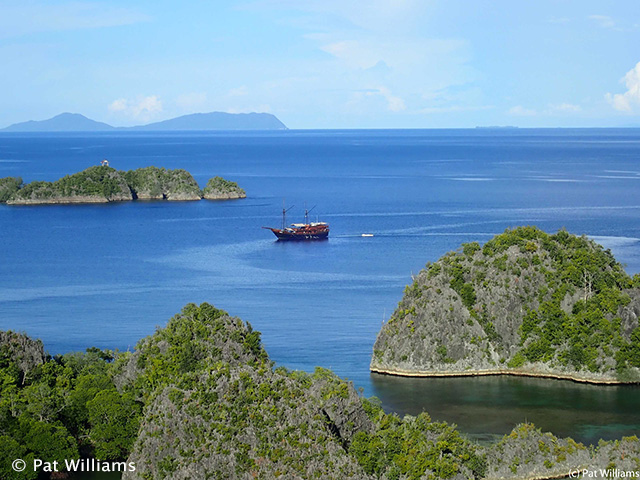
x=325, y=63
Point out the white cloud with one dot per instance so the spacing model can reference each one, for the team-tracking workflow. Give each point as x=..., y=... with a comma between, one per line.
x=393, y=102
x=142, y=108
x=625, y=102
x=118, y=105
x=520, y=111
x=379, y=56
x=27, y=17
x=604, y=21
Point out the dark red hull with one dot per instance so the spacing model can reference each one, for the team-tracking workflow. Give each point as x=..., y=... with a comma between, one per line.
x=302, y=233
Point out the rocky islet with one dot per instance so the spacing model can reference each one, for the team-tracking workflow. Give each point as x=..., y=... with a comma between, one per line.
x=103, y=184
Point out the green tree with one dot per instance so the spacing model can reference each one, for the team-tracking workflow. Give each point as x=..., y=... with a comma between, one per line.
x=114, y=421
x=12, y=450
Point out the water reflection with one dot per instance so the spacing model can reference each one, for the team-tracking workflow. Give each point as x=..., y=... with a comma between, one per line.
x=489, y=407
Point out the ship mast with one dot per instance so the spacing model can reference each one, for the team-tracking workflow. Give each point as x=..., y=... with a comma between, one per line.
x=306, y=214
x=284, y=214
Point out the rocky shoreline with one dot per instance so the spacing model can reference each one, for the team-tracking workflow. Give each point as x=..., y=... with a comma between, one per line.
x=223, y=196
x=487, y=373
x=62, y=200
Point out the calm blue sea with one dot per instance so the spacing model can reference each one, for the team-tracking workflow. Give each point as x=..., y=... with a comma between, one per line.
x=107, y=275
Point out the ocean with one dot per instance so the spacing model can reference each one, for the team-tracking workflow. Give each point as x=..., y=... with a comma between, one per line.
x=108, y=275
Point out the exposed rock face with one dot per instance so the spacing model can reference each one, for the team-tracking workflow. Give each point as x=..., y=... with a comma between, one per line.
x=183, y=196
x=220, y=189
x=153, y=183
x=147, y=183
x=22, y=350
x=180, y=186
x=184, y=438
x=526, y=303
x=218, y=195
x=228, y=414
x=529, y=454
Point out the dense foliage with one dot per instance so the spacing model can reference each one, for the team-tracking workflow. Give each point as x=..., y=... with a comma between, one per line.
x=201, y=399
x=99, y=181
x=408, y=448
x=525, y=297
x=8, y=187
x=60, y=408
x=149, y=181
x=158, y=183
x=591, y=331
x=218, y=187
x=103, y=183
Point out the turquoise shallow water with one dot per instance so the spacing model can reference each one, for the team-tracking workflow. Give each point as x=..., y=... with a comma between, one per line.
x=107, y=275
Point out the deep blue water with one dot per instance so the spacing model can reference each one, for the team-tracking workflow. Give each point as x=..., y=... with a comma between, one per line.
x=107, y=275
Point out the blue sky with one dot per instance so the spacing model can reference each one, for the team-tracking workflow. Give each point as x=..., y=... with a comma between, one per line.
x=325, y=63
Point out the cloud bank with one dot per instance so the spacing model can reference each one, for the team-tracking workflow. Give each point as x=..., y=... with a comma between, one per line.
x=627, y=101
x=142, y=108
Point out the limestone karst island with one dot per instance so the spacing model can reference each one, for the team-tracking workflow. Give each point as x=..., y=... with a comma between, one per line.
x=201, y=398
x=103, y=184
x=525, y=303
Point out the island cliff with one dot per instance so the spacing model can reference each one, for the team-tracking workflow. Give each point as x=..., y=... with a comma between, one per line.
x=153, y=183
x=200, y=398
x=103, y=184
x=525, y=303
x=220, y=189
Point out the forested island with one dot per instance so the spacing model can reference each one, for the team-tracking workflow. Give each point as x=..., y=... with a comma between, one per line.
x=103, y=184
x=524, y=303
x=200, y=398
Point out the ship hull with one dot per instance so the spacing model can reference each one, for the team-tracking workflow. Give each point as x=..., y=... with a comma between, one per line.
x=300, y=234
x=285, y=236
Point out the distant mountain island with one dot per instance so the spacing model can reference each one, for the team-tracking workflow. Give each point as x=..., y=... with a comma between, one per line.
x=74, y=122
